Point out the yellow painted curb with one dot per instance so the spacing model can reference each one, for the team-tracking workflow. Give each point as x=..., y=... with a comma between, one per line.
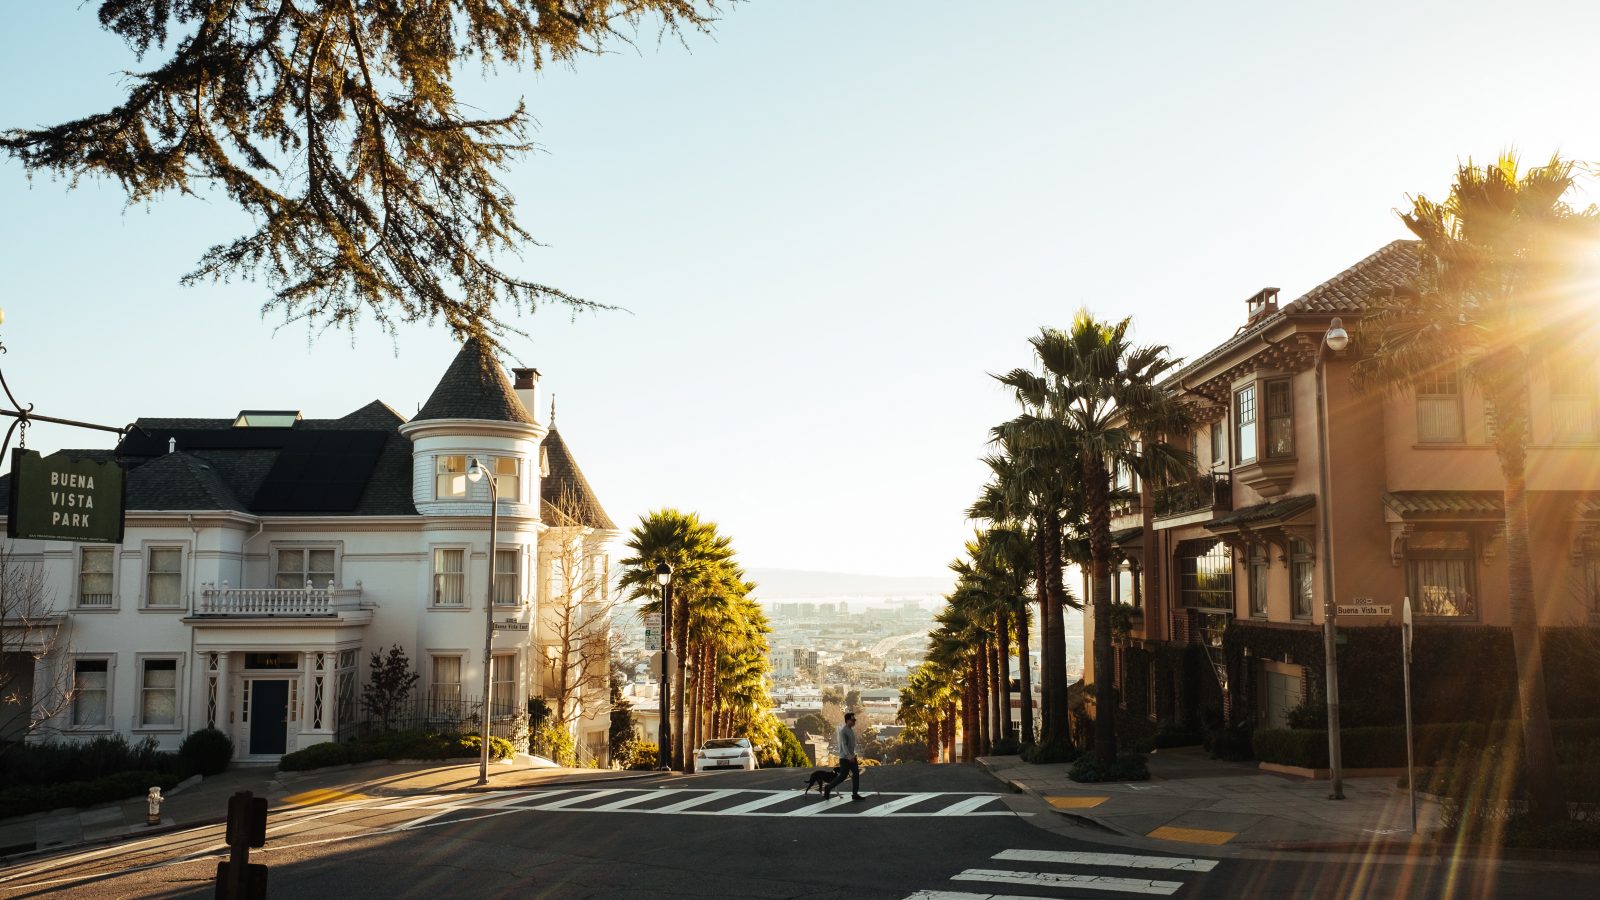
x=1192, y=835
x=321, y=796
x=1075, y=802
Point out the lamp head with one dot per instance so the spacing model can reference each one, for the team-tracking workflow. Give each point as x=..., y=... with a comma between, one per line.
x=1337, y=337
x=474, y=470
x=663, y=574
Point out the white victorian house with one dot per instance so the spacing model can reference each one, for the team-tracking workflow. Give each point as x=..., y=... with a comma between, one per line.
x=268, y=556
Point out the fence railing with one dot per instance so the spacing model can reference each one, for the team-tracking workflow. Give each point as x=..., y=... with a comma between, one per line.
x=436, y=713
x=1203, y=492
x=309, y=601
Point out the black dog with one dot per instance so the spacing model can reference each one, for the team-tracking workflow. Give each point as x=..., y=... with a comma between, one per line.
x=820, y=779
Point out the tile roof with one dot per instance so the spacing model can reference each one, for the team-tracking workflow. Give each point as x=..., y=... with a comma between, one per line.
x=1349, y=292
x=565, y=490
x=1275, y=511
x=474, y=387
x=1446, y=504
x=1127, y=534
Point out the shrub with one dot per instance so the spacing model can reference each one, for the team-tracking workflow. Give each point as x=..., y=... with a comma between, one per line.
x=790, y=753
x=644, y=755
x=1008, y=746
x=59, y=762
x=1045, y=754
x=23, y=799
x=1382, y=747
x=554, y=742
x=1126, y=767
x=206, y=752
x=394, y=745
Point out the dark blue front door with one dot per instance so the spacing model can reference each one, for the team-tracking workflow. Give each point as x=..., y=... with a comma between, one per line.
x=269, y=716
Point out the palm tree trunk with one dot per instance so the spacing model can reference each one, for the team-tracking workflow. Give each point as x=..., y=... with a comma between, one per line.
x=935, y=736
x=1048, y=708
x=970, y=719
x=1055, y=632
x=1097, y=502
x=950, y=710
x=1003, y=674
x=680, y=616
x=1023, y=670
x=1538, y=747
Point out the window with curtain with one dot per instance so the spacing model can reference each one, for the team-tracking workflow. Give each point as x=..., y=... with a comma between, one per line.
x=508, y=478
x=91, y=693
x=1205, y=576
x=164, y=577
x=1439, y=408
x=503, y=687
x=1439, y=574
x=505, y=577
x=449, y=577
x=1244, y=431
x=1280, y=419
x=1259, y=563
x=158, y=693
x=1219, y=445
x=1300, y=577
x=444, y=686
x=94, y=577
x=297, y=565
x=1572, y=406
x=450, y=481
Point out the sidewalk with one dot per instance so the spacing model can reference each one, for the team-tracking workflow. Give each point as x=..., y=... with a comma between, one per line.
x=205, y=801
x=1191, y=799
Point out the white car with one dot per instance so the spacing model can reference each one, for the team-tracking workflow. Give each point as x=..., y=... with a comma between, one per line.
x=725, y=753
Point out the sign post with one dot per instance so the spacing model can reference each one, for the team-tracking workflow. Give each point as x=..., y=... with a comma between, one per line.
x=1405, y=639
x=652, y=632
x=58, y=498
x=239, y=878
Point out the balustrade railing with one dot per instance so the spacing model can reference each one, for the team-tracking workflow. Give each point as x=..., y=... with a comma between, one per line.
x=307, y=601
x=1203, y=492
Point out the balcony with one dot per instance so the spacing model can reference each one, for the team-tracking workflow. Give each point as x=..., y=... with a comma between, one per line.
x=1192, y=501
x=267, y=603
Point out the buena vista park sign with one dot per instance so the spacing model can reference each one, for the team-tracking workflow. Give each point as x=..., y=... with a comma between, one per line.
x=58, y=498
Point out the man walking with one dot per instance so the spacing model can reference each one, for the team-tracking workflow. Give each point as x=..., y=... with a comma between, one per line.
x=848, y=764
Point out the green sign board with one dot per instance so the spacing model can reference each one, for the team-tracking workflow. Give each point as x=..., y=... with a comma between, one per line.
x=57, y=498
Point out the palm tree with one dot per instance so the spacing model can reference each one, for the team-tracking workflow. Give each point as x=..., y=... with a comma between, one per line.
x=1093, y=405
x=1496, y=294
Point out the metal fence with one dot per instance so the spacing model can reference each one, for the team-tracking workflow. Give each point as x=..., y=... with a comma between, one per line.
x=437, y=714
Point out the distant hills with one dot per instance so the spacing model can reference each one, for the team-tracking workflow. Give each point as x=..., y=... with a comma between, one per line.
x=798, y=584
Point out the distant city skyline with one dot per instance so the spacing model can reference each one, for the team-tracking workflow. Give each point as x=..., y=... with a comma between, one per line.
x=827, y=222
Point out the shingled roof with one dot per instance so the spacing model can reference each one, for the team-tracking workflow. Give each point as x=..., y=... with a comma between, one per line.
x=1446, y=504
x=474, y=387
x=565, y=492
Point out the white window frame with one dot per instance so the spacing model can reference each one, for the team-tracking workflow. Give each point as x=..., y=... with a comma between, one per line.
x=434, y=574
x=306, y=548
x=111, y=551
x=501, y=660
x=146, y=557
x=434, y=656
x=1254, y=390
x=515, y=572
x=1440, y=390
x=139, y=724
x=110, y=659
x=442, y=471
x=508, y=486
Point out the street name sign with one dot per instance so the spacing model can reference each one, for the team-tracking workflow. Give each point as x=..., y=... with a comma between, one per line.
x=510, y=625
x=60, y=498
x=1365, y=607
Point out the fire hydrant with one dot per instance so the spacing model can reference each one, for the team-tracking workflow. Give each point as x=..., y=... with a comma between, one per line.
x=153, y=814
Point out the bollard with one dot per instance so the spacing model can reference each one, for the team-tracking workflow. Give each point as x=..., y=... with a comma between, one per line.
x=153, y=812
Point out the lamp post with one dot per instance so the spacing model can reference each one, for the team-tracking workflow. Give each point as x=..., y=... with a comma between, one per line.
x=664, y=731
x=477, y=472
x=1335, y=340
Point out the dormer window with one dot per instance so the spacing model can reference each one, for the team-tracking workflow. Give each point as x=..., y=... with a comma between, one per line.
x=451, y=480
x=267, y=418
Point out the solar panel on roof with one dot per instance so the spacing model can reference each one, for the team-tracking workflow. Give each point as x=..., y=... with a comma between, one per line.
x=320, y=471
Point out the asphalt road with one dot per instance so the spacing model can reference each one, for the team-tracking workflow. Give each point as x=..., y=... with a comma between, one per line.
x=931, y=833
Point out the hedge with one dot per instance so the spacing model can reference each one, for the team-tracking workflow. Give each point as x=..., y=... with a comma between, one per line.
x=31, y=798
x=394, y=745
x=1383, y=747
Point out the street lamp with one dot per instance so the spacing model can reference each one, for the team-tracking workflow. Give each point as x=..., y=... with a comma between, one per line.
x=1336, y=339
x=664, y=731
x=477, y=472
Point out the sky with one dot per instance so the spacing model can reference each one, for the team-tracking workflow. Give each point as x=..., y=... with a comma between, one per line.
x=827, y=223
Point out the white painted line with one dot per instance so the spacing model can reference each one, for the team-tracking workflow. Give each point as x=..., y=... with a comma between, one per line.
x=1055, y=880
x=814, y=808
x=692, y=802
x=626, y=802
x=772, y=799
x=1127, y=861
x=962, y=895
x=573, y=801
x=900, y=803
x=962, y=807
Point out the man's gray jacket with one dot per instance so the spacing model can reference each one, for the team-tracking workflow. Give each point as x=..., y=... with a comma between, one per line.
x=846, y=742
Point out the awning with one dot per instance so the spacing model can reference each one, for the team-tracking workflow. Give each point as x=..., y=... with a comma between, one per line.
x=1485, y=506
x=1127, y=535
x=1278, y=512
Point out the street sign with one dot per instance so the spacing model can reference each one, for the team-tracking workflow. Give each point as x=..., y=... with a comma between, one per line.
x=655, y=664
x=510, y=625
x=59, y=498
x=652, y=632
x=1363, y=607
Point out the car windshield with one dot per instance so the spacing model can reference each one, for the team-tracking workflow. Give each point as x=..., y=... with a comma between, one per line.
x=725, y=744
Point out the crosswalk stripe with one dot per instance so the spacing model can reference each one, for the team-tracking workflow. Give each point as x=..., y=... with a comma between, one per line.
x=772, y=799
x=626, y=802
x=963, y=806
x=963, y=895
x=1057, y=880
x=897, y=804
x=572, y=801
x=1127, y=861
x=812, y=809
x=692, y=802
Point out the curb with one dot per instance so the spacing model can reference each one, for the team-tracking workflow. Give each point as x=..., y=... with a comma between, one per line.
x=1079, y=818
x=150, y=831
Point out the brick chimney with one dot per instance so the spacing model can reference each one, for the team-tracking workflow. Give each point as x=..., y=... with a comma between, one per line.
x=527, y=386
